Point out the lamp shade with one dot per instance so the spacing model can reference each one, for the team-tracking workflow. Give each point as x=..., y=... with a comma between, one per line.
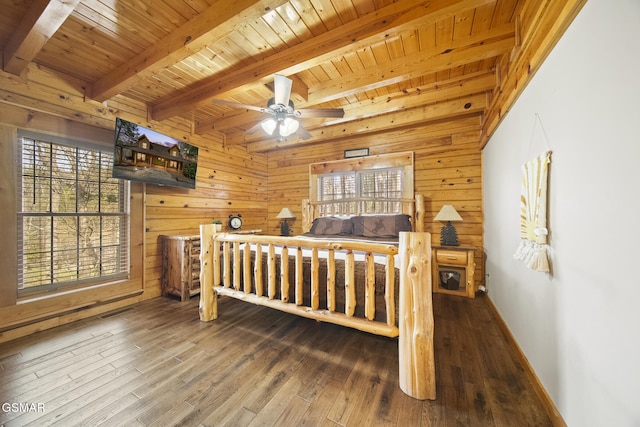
x=288, y=126
x=269, y=126
x=285, y=213
x=448, y=213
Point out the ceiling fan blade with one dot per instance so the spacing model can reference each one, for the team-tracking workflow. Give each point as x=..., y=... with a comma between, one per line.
x=253, y=129
x=239, y=105
x=303, y=133
x=282, y=89
x=320, y=112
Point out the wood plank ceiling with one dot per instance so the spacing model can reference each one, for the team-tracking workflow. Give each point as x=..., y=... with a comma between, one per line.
x=388, y=64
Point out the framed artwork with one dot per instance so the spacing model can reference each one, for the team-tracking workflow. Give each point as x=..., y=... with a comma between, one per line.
x=356, y=152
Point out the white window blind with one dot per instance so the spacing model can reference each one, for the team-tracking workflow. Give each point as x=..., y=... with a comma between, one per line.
x=374, y=190
x=73, y=224
x=381, y=190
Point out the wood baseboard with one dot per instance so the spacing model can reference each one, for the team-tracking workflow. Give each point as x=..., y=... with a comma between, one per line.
x=550, y=407
x=75, y=315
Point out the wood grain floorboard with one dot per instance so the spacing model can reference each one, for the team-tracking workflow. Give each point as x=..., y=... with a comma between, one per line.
x=156, y=364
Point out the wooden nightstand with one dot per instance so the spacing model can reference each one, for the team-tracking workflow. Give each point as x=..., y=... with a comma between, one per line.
x=453, y=268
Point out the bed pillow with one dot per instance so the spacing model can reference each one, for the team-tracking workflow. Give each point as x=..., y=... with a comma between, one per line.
x=380, y=225
x=332, y=225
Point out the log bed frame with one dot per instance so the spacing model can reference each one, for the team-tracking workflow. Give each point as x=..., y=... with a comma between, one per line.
x=414, y=327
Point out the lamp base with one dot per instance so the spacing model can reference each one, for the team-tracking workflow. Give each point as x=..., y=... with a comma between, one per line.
x=284, y=228
x=448, y=235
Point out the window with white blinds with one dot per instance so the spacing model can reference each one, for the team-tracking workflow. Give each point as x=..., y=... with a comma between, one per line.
x=337, y=186
x=73, y=217
x=375, y=190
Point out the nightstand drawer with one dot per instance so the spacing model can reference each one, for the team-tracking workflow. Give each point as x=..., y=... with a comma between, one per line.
x=453, y=269
x=444, y=256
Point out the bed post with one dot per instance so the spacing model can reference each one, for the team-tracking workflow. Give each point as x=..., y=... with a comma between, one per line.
x=419, y=213
x=415, y=343
x=307, y=215
x=208, y=298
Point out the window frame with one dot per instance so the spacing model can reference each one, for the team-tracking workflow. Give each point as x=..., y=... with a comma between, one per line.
x=402, y=160
x=124, y=237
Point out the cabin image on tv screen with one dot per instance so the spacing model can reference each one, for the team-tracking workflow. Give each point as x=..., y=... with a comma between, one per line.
x=141, y=154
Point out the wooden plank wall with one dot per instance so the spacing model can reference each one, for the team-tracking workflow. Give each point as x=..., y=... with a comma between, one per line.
x=229, y=181
x=447, y=171
x=232, y=180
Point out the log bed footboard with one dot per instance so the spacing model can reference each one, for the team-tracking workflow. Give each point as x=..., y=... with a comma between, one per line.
x=255, y=268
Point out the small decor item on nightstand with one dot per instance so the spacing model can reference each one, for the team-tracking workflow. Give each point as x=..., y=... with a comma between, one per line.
x=450, y=279
x=284, y=215
x=448, y=235
x=217, y=224
x=235, y=222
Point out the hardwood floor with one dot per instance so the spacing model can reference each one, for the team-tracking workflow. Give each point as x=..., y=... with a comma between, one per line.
x=156, y=364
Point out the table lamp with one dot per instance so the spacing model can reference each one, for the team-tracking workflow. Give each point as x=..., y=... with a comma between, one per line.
x=448, y=235
x=284, y=215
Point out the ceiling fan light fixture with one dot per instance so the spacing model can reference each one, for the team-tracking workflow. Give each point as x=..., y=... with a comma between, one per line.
x=284, y=120
x=275, y=107
x=288, y=126
x=269, y=125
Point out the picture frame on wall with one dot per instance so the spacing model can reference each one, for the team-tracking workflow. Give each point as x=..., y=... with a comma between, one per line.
x=356, y=152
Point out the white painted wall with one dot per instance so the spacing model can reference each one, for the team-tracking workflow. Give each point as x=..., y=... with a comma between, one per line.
x=579, y=326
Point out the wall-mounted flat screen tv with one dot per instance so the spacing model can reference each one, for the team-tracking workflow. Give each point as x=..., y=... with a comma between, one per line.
x=142, y=154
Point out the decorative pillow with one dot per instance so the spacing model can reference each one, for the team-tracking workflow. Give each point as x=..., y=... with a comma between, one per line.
x=331, y=225
x=380, y=225
x=358, y=225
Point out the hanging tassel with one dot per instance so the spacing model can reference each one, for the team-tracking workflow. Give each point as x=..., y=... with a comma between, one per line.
x=521, y=250
x=524, y=251
x=533, y=255
x=539, y=261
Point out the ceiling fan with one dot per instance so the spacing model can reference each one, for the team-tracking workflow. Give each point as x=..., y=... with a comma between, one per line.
x=283, y=120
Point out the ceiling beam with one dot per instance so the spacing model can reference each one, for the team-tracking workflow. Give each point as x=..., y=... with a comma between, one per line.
x=39, y=24
x=431, y=129
x=458, y=87
x=474, y=48
x=315, y=51
x=215, y=23
x=236, y=118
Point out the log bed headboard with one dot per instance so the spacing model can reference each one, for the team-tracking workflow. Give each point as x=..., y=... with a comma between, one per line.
x=312, y=210
x=401, y=166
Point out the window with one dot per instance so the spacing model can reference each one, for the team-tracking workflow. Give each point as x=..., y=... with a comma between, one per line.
x=377, y=190
x=378, y=184
x=338, y=186
x=381, y=190
x=72, y=215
